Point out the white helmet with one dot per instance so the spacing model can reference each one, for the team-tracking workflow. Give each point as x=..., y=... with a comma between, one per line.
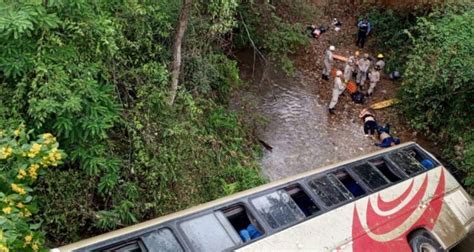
x=332, y=48
x=338, y=73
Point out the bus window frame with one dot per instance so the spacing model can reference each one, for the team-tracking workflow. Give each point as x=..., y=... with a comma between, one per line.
x=347, y=169
x=297, y=183
x=179, y=222
x=392, y=167
x=137, y=236
x=371, y=190
x=421, y=152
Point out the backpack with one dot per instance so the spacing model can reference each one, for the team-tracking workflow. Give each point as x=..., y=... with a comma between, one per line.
x=358, y=97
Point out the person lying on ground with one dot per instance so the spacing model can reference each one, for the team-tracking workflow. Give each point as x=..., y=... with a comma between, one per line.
x=386, y=140
x=367, y=116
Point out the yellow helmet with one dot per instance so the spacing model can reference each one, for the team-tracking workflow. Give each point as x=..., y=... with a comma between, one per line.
x=380, y=56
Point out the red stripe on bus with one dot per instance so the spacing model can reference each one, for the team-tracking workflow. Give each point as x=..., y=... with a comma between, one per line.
x=389, y=205
x=427, y=220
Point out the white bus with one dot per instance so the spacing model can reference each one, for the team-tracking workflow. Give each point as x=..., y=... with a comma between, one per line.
x=397, y=199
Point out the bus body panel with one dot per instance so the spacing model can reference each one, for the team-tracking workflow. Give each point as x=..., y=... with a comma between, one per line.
x=380, y=221
x=432, y=200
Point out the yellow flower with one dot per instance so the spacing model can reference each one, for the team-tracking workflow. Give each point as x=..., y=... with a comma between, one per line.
x=28, y=239
x=48, y=138
x=20, y=205
x=35, y=149
x=3, y=248
x=2, y=133
x=35, y=246
x=7, y=210
x=16, y=132
x=5, y=152
x=18, y=189
x=52, y=159
x=21, y=174
x=26, y=213
x=32, y=171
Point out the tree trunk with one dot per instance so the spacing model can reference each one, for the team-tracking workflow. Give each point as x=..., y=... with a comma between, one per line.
x=178, y=40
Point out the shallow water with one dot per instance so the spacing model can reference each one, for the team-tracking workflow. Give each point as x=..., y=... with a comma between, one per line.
x=301, y=132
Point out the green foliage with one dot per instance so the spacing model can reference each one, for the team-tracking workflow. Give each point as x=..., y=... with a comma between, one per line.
x=390, y=32
x=260, y=25
x=437, y=89
x=95, y=73
x=21, y=163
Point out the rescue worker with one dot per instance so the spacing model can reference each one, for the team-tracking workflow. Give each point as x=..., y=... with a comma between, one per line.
x=363, y=65
x=337, y=90
x=386, y=140
x=349, y=69
x=374, y=78
x=367, y=116
x=380, y=62
x=364, y=30
x=356, y=59
x=328, y=62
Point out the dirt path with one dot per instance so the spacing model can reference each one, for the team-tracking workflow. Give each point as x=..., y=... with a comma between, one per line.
x=299, y=129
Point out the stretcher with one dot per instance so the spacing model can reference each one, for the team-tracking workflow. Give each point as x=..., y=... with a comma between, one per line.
x=384, y=104
x=339, y=57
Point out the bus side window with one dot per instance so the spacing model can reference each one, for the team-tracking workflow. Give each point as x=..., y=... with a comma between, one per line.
x=278, y=209
x=243, y=223
x=210, y=232
x=349, y=182
x=424, y=160
x=370, y=176
x=304, y=202
x=330, y=190
x=385, y=169
x=406, y=162
x=131, y=246
x=161, y=240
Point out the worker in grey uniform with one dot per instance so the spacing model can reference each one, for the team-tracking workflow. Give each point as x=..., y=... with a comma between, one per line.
x=374, y=78
x=328, y=62
x=380, y=62
x=349, y=69
x=337, y=90
x=363, y=64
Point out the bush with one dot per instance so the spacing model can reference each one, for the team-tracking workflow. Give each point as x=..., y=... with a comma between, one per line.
x=390, y=35
x=437, y=88
x=262, y=27
x=22, y=162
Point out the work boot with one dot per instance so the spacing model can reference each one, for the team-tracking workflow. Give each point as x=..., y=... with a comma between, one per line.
x=331, y=111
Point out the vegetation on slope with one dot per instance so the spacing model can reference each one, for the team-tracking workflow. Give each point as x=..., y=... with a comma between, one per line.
x=96, y=74
x=435, y=53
